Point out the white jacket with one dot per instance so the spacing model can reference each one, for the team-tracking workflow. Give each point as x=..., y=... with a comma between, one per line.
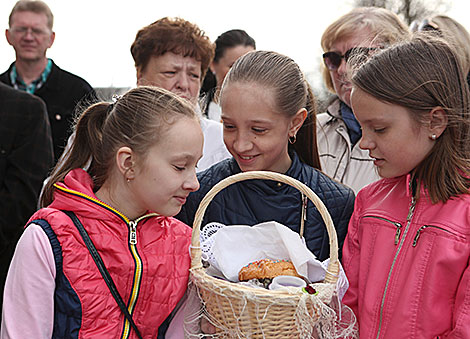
x=352, y=167
x=214, y=149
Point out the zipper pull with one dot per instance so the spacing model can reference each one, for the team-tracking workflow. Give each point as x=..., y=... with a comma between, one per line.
x=397, y=235
x=418, y=233
x=412, y=209
x=303, y=216
x=304, y=208
x=133, y=234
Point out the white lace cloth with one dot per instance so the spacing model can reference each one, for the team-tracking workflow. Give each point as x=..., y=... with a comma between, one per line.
x=228, y=249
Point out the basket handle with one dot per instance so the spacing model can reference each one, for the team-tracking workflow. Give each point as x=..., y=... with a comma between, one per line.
x=333, y=266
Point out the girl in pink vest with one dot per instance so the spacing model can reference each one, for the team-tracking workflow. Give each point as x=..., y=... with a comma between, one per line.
x=144, y=149
x=407, y=251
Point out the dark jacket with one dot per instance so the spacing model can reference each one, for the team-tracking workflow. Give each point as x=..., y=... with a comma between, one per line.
x=25, y=159
x=254, y=201
x=61, y=93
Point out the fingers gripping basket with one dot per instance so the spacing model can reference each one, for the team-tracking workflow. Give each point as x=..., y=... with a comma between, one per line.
x=244, y=312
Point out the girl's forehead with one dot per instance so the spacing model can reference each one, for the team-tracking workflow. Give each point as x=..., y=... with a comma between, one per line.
x=247, y=103
x=243, y=89
x=370, y=110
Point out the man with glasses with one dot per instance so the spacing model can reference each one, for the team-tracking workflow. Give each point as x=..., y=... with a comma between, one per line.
x=30, y=33
x=354, y=36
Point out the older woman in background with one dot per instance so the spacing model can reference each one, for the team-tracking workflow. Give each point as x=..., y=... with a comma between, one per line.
x=357, y=33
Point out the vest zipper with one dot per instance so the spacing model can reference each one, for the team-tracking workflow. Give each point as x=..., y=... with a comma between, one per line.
x=133, y=233
x=396, y=224
x=137, y=276
x=132, y=245
x=400, y=246
x=137, y=273
x=422, y=228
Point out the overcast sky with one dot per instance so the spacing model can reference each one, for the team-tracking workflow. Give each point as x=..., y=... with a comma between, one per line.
x=93, y=37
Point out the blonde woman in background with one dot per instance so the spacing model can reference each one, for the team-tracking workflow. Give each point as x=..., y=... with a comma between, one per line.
x=360, y=32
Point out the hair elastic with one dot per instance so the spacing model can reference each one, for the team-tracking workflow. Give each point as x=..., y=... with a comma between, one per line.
x=116, y=98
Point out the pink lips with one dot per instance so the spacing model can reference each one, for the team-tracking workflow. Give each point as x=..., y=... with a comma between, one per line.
x=242, y=159
x=378, y=162
x=181, y=200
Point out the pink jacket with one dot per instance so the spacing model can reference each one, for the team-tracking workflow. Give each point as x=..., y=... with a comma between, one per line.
x=148, y=259
x=408, y=263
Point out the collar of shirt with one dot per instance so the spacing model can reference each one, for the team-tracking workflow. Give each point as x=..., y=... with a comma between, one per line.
x=354, y=129
x=18, y=83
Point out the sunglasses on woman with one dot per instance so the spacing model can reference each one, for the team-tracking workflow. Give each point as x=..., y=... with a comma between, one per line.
x=333, y=59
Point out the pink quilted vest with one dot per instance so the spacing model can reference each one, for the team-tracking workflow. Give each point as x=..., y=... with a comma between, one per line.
x=150, y=273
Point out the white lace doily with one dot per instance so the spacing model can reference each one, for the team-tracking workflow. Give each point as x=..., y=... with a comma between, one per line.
x=207, y=241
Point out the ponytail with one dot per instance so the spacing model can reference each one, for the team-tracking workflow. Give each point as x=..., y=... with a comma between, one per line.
x=306, y=143
x=136, y=120
x=86, y=143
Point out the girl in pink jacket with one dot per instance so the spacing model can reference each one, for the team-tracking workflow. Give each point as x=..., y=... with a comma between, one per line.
x=144, y=150
x=407, y=251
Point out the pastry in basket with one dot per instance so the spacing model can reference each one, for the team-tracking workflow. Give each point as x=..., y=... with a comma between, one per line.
x=267, y=269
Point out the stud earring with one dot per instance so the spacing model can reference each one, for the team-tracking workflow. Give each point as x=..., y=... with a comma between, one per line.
x=433, y=137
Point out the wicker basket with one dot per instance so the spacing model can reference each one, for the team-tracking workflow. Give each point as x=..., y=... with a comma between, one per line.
x=247, y=312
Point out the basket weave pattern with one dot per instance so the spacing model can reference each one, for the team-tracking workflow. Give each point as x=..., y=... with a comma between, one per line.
x=239, y=311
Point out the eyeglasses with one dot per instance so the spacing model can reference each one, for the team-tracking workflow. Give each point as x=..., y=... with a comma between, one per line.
x=24, y=30
x=333, y=59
